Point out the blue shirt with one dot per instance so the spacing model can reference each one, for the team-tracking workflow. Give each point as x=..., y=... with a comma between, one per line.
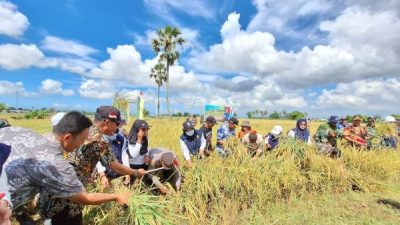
x=340, y=126
x=272, y=141
x=224, y=133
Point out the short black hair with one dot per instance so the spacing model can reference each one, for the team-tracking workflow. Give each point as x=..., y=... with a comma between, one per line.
x=73, y=122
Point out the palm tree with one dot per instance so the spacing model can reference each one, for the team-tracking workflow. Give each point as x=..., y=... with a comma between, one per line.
x=159, y=73
x=165, y=44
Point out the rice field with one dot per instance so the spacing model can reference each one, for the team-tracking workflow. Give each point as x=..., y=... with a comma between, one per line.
x=290, y=185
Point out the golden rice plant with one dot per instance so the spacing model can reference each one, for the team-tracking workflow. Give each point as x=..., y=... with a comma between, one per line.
x=238, y=189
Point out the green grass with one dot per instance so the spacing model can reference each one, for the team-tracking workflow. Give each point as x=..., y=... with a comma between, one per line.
x=348, y=208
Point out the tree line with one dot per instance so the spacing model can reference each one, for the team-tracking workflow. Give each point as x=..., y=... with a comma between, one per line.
x=263, y=114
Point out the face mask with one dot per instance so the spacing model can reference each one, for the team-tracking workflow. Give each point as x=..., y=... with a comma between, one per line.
x=110, y=137
x=189, y=133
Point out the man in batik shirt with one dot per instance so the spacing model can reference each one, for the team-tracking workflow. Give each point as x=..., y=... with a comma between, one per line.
x=36, y=164
x=355, y=134
x=95, y=149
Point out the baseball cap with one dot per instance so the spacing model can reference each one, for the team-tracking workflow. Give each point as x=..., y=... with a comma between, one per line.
x=333, y=119
x=276, y=130
x=56, y=118
x=245, y=123
x=188, y=125
x=109, y=112
x=211, y=119
x=142, y=124
x=234, y=120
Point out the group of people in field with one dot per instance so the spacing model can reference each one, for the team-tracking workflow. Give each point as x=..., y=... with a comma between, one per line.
x=44, y=177
x=198, y=142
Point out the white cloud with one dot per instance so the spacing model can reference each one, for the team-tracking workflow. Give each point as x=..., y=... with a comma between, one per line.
x=19, y=56
x=291, y=102
x=66, y=47
x=75, y=57
x=241, y=52
x=371, y=95
x=74, y=65
x=382, y=29
x=105, y=89
x=165, y=8
x=59, y=105
x=125, y=63
x=373, y=5
x=13, y=23
x=17, y=88
x=50, y=86
x=191, y=37
x=192, y=42
x=144, y=40
x=360, y=58
x=285, y=19
x=356, y=52
x=97, y=89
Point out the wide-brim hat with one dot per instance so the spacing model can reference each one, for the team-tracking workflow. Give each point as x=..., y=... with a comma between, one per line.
x=245, y=123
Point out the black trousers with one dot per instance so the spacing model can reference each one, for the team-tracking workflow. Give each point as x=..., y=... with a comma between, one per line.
x=63, y=218
x=146, y=180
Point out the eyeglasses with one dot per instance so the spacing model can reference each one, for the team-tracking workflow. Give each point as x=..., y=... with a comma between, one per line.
x=303, y=124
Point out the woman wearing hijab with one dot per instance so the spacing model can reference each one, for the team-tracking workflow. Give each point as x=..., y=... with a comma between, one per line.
x=138, y=145
x=301, y=132
x=190, y=142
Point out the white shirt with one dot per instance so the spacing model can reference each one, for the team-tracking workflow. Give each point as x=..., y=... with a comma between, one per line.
x=292, y=134
x=203, y=142
x=185, y=150
x=134, y=151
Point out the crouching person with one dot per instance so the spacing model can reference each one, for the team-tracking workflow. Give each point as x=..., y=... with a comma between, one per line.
x=272, y=138
x=163, y=168
x=96, y=148
x=36, y=165
x=254, y=144
x=326, y=138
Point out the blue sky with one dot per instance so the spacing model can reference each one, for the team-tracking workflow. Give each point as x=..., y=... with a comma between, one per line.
x=317, y=56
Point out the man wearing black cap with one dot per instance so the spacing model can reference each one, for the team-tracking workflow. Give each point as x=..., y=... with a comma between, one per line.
x=224, y=133
x=36, y=165
x=96, y=148
x=206, y=136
